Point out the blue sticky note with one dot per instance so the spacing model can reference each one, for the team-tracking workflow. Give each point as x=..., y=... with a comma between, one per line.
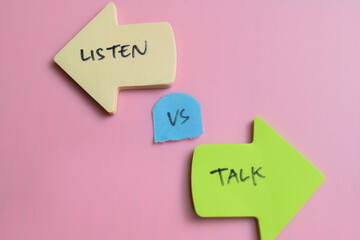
x=177, y=116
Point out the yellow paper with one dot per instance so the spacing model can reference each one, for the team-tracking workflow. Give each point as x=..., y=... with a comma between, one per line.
x=105, y=57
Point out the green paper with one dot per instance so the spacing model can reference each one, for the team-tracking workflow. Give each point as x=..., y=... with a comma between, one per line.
x=270, y=180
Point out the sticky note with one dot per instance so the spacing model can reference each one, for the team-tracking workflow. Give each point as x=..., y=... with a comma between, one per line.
x=177, y=116
x=105, y=57
x=267, y=179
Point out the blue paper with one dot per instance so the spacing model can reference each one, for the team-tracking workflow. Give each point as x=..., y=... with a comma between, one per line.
x=177, y=116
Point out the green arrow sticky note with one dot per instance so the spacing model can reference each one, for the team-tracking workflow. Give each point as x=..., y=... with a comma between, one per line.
x=267, y=179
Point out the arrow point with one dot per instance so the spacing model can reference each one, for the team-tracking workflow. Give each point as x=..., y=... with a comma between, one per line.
x=289, y=180
x=108, y=15
x=81, y=57
x=111, y=4
x=108, y=100
x=299, y=179
x=262, y=130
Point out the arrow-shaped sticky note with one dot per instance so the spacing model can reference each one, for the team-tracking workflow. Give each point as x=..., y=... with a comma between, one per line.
x=105, y=57
x=267, y=179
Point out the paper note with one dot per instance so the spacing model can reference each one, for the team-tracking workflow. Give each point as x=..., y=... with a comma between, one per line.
x=267, y=179
x=105, y=57
x=177, y=116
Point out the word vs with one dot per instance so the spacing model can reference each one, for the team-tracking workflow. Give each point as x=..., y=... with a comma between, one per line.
x=177, y=116
x=173, y=121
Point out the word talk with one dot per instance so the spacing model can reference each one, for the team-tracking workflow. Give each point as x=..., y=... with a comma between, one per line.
x=233, y=175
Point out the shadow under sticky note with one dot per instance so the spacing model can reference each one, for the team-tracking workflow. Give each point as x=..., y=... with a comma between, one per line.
x=177, y=116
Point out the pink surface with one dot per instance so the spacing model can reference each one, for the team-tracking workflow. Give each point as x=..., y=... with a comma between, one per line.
x=68, y=170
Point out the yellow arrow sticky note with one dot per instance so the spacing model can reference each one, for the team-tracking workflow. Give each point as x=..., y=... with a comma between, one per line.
x=105, y=57
x=267, y=179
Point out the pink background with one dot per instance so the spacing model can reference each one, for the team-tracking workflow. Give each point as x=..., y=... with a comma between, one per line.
x=68, y=170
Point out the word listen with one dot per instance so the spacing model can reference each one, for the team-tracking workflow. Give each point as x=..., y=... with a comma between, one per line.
x=173, y=121
x=123, y=51
x=233, y=175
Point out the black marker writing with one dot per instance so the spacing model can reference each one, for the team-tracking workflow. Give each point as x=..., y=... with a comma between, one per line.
x=186, y=117
x=169, y=116
x=101, y=57
x=87, y=58
x=234, y=174
x=173, y=122
x=241, y=178
x=114, y=51
x=123, y=50
x=255, y=173
x=138, y=50
x=219, y=170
